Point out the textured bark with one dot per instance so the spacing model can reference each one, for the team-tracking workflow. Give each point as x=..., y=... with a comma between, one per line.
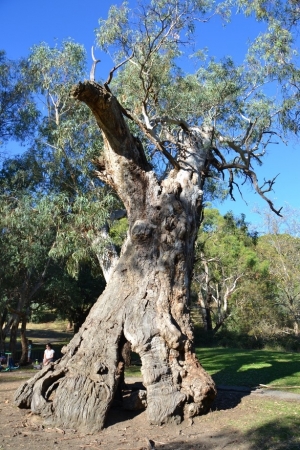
x=24, y=341
x=13, y=338
x=109, y=258
x=3, y=317
x=206, y=313
x=18, y=315
x=146, y=299
x=126, y=354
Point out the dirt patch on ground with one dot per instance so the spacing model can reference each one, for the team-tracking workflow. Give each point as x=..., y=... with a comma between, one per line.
x=128, y=430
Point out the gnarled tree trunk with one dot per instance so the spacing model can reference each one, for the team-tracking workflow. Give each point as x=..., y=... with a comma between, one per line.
x=146, y=299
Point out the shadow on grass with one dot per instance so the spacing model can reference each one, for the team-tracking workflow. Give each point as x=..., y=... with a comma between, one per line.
x=49, y=335
x=250, y=368
x=272, y=435
x=276, y=435
x=254, y=377
x=227, y=400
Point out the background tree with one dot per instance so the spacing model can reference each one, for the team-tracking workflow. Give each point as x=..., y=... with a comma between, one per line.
x=225, y=257
x=282, y=249
x=56, y=171
x=67, y=297
x=27, y=234
x=264, y=308
x=255, y=320
x=18, y=112
x=29, y=274
x=67, y=141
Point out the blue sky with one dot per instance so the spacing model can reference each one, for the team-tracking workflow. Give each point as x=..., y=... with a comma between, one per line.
x=23, y=24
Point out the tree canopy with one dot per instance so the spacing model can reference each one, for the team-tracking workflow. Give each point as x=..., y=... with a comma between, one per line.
x=231, y=103
x=18, y=110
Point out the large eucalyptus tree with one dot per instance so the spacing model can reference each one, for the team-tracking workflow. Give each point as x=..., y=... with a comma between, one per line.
x=165, y=134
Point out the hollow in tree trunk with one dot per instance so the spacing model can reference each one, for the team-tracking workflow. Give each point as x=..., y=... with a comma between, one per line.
x=146, y=299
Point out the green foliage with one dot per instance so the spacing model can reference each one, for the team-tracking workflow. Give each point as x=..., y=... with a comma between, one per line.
x=22, y=221
x=152, y=79
x=18, y=111
x=71, y=298
x=118, y=231
x=28, y=243
x=228, y=232
x=53, y=205
x=28, y=231
x=83, y=219
x=286, y=12
x=59, y=163
x=225, y=258
x=67, y=138
x=115, y=27
x=40, y=314
x=243, y=105
x=283, y=252
x=52, y=71
x=158, y=26
x=249, y=284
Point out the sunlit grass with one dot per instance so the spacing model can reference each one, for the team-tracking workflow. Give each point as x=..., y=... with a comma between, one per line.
x=252, y=367
x=266, y=424
x=58, y=325
x=133, y=371
x=232, y=367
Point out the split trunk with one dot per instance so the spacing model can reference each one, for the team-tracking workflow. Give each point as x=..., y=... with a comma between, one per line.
x=146, y=300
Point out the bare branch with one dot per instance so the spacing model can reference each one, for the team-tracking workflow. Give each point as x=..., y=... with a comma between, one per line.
x=248, y=132
x=224, y=165
x=165, y=119
x=148, y=133
x=237, y=149
x=111, y=73
x=95, y=62
x=261, y=192
x=269, y=184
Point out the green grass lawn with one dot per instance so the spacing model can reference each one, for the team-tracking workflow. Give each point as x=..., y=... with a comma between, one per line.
x=133, y=371
x=251, y=367
x=265, y=424
x=235, y=367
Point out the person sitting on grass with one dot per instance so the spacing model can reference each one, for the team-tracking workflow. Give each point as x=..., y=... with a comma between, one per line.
x=48, y=354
